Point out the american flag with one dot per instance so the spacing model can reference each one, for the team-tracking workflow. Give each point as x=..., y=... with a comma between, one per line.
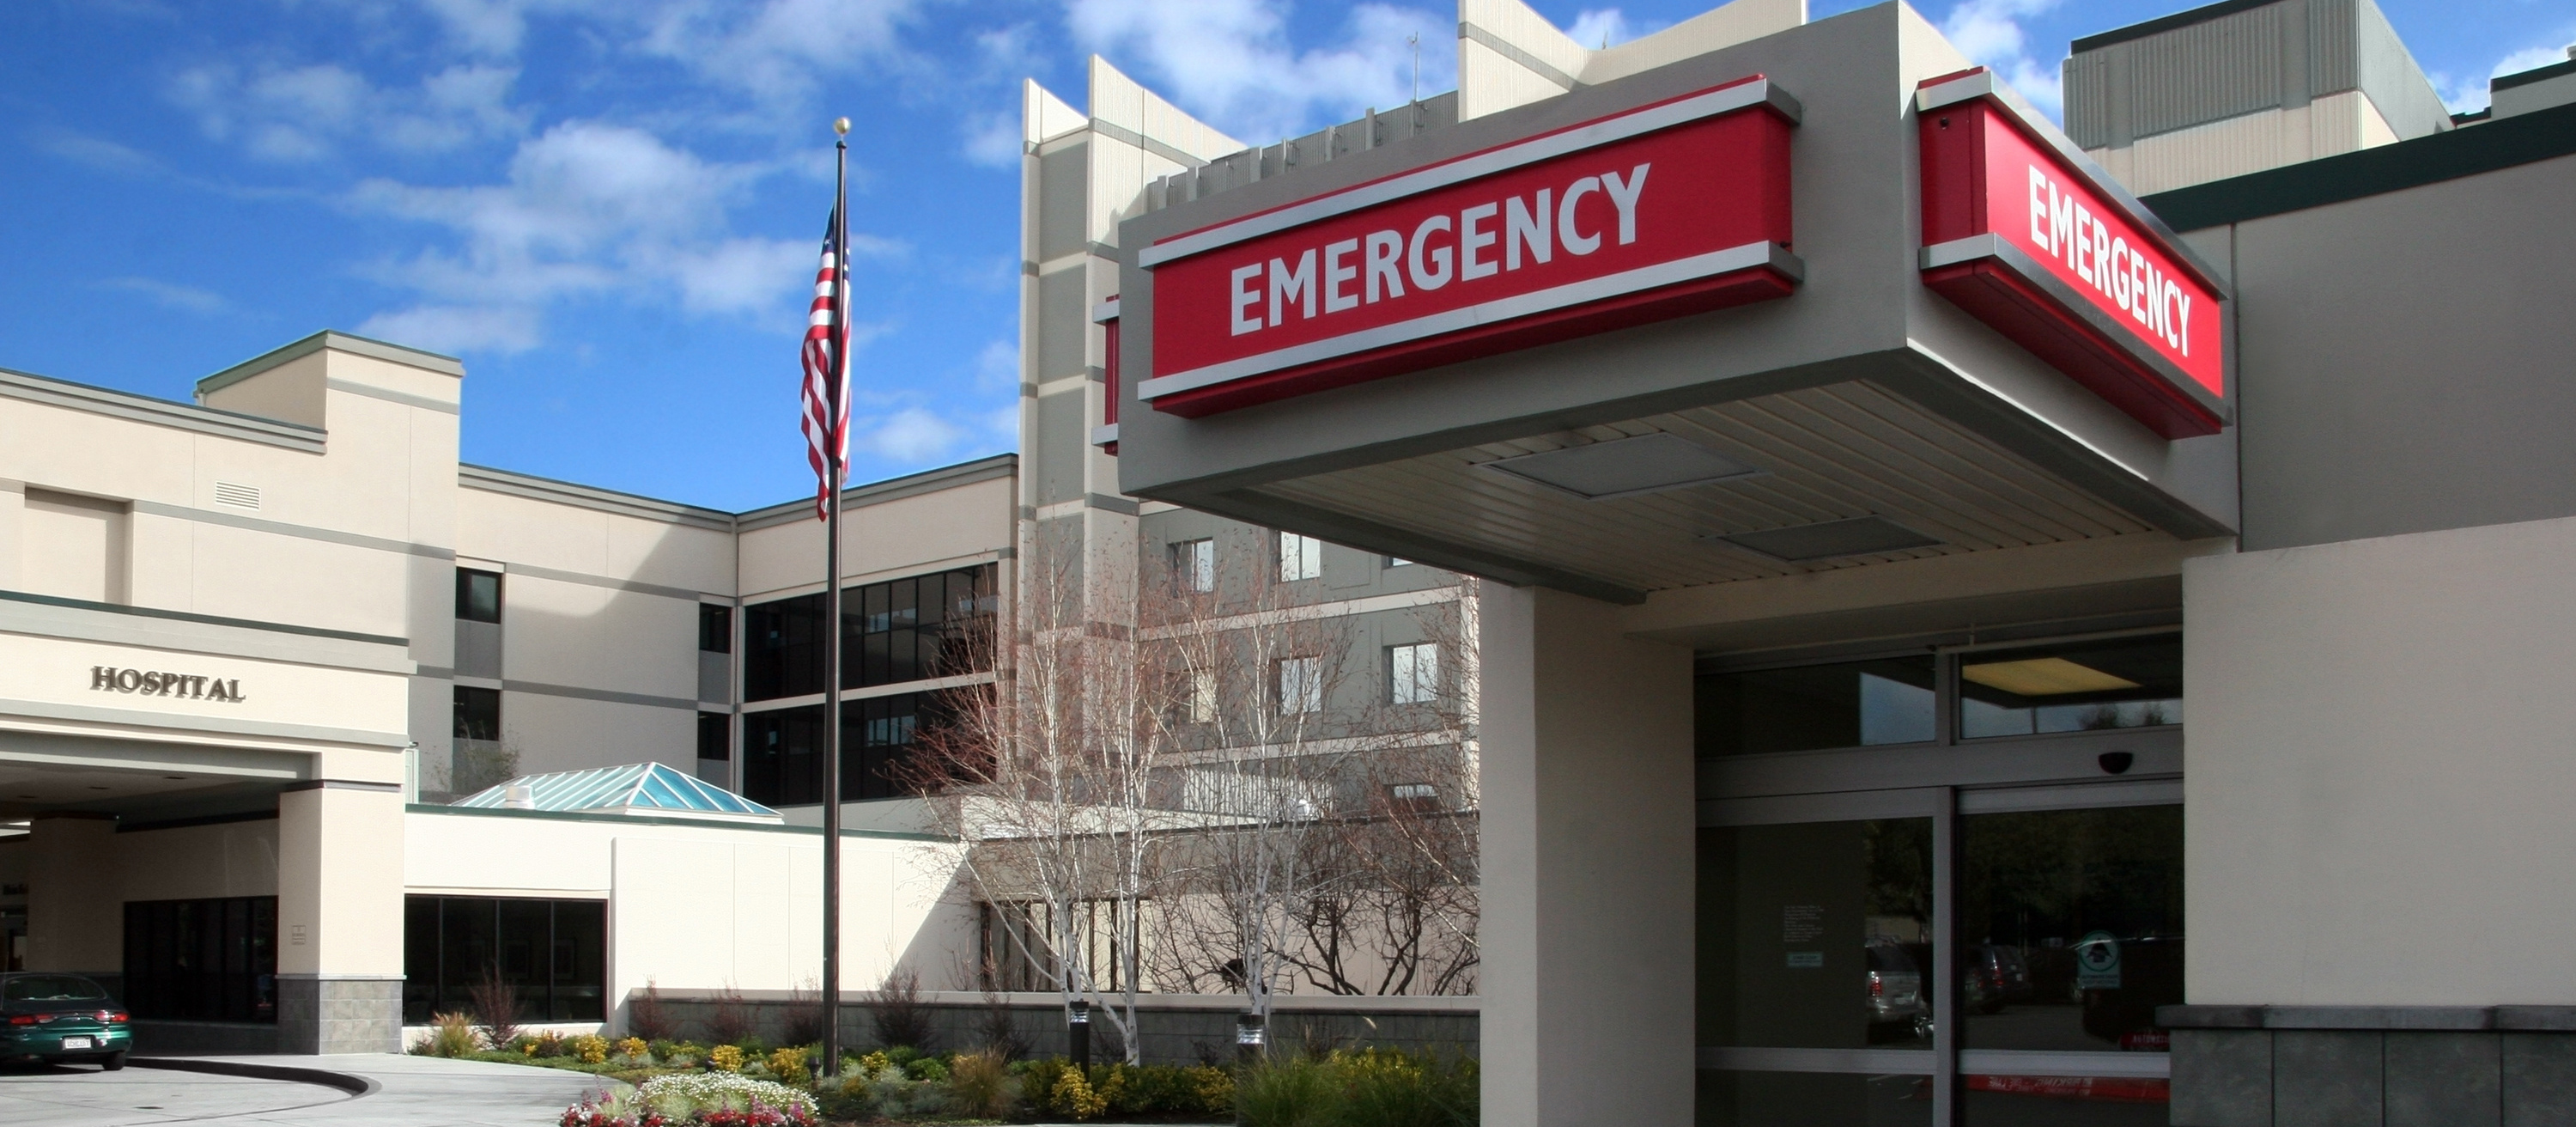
x=827, y=432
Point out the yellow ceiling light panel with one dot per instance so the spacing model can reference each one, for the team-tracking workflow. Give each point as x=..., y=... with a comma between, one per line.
x=2044, y=677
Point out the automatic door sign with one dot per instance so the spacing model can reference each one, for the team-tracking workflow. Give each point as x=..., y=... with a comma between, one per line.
x=2097, y=961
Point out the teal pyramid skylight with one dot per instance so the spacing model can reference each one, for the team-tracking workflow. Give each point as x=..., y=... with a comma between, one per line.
x=641, y=789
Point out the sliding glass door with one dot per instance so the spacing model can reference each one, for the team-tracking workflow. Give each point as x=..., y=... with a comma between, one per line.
x=1988, y=949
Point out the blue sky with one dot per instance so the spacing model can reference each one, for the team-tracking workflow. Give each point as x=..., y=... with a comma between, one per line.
x=610, y=208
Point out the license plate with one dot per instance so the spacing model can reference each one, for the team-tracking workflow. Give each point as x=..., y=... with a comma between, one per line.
x=79, y=1043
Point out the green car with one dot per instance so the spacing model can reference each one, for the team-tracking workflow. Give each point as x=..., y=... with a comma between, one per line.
x=59, y=1018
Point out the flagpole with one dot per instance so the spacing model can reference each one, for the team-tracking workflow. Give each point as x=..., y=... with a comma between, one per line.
x=832, y=604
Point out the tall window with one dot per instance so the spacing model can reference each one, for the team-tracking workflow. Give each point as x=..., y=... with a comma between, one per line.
x=1194, y=565
x=1301, y=685
x=1300, y=557
x=783, y=749
x=202, y=960
x=1413, y=673
x=715, y=628
x=903, y=630
x=553, y=953
x=715, y=736
x=478, y=713
x=478, y=595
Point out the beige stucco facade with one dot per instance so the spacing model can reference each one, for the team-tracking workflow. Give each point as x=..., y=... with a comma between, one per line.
x=230, y=655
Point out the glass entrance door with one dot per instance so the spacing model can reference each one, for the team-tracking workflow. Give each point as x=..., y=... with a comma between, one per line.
x=1988, y=950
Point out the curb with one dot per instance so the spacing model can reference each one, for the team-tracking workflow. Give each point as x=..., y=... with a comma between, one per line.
x=355, y=1086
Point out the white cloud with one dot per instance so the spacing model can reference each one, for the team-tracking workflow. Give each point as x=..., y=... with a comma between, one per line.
x=776, y=50
x=1600, y=27
x=911, y=435
x=97, y=152
x=186, y=299
x=299, y=114
x=1230, y=61
x=2469, y=95
x=1005, y=422
x=457, y=329
x=997, y=366
x=592, y=208
x=1990, y=32
x=993, y=140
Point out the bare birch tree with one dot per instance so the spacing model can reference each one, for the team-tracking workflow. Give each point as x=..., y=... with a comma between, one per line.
x=1043, y=787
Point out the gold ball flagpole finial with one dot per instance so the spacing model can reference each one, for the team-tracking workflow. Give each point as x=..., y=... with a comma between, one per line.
x=841, y=125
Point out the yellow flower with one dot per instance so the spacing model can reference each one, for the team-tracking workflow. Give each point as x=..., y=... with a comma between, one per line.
x=725, y=1058
x=633, y=1047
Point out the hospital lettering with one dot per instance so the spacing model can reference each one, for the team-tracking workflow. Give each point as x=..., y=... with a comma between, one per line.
x=1477, y=242
x=155, y=683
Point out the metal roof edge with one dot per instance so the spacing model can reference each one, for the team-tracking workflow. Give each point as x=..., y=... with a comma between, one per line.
x=332, y=338
x=2449, y=155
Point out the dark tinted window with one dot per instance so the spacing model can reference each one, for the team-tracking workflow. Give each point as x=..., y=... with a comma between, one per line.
x=902, y=630
x=478, y=595
x=2071, y=687
x=715, y=736
x=1808, y=707
x=715, y=628
x=553, y=953
x=783, y=749
x=478, y=713
x=202, y=960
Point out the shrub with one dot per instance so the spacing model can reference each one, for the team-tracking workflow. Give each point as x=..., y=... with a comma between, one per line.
x=589, y=1048
x=648, y=1018
x=1072, y=1095
x=1296, y=1092
x=725, y=1058
x=634, y=1047
x=1214, y=1087
x=788, y=1065
x=930, y=1069
x=732, y=1022
x=980, y=1084
x=663, y=1050
x=496, y=1007
x=450, y=1035
x=896, y=1009
x=545, y=1043
x=804, y=1014
x=1383, y=1088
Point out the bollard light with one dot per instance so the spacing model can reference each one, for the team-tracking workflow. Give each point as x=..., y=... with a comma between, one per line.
x=1077, y=1029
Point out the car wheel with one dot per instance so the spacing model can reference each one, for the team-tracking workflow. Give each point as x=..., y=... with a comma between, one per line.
x=112, y=1062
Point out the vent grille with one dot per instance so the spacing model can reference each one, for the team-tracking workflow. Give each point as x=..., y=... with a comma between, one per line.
x=237, y=495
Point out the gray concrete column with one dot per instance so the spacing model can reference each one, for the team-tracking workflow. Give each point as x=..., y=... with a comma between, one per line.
x=1587, y=839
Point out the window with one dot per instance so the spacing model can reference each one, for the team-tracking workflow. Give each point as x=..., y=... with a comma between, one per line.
x=478, y=713
x=1413, y=673
x=1422, y=797
x=478, y=595
x=1810, y=707
x=715, y=629
x=715, y=736
x=1301, y=685
x=553, y=953
x=903, y=630
x=202, y=960
x=1194, y=565
x=783, y=749
x=1300, y=557
x=2071, y=687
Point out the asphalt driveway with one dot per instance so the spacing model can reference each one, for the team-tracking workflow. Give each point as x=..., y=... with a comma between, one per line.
x=394, y=1089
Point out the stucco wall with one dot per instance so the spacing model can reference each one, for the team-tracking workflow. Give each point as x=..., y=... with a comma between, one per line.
x=2378, y=776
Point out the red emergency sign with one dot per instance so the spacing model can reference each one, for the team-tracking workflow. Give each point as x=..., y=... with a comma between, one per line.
x=2021, y=235
x=1673, y=208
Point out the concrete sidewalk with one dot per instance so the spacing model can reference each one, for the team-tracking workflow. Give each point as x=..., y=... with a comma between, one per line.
x=393, y=1090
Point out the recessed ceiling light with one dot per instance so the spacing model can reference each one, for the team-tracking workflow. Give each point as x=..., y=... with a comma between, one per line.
x=1624, y=467
x=94, y=787
x=176, y=778
x=1858, y=536
x=2043, y=677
